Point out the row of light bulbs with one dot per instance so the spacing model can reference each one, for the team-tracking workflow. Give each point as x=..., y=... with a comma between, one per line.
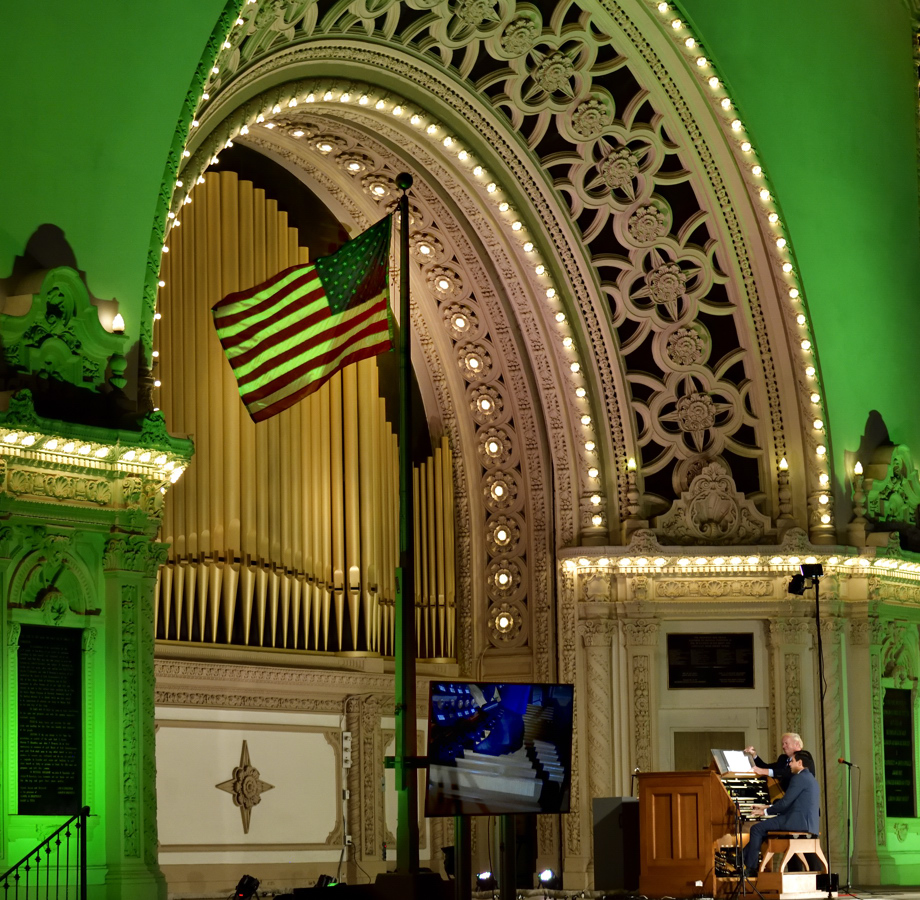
x=435, y=131
x=746, y=563
x=681, y=33
x=77, y=448
x=492, y=191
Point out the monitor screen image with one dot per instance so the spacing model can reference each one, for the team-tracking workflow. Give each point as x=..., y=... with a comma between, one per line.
x=499, y=748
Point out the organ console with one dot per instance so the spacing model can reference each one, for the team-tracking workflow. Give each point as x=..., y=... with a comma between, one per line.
x=689, y=826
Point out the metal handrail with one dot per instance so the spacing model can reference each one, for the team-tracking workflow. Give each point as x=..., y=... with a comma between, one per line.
x=16, y=880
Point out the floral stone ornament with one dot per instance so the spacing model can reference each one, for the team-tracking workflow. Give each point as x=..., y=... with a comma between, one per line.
x=245, y=787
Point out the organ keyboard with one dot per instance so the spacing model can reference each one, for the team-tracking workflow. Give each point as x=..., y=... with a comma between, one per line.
x=688, y=825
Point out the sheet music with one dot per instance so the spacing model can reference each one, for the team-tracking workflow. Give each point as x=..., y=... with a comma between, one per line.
x=732, y=761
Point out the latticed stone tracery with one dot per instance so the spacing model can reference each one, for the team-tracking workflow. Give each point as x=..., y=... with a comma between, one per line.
x=597, y=267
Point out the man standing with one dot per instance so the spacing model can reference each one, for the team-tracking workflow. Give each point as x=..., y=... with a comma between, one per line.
x=797, y=810
x=780, y=769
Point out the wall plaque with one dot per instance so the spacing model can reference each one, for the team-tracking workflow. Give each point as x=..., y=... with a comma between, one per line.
x=710, y=660
x=897, y=719
x=50, y=720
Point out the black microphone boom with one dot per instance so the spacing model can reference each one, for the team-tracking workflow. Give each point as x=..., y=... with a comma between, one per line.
x=847, y=763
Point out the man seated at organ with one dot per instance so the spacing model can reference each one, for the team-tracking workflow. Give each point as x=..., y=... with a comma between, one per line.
x=796, y=810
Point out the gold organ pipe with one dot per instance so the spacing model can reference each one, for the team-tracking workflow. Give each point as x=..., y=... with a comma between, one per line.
x=327, y=526
x=273, y=522
x=337, y=489
x=352, y=507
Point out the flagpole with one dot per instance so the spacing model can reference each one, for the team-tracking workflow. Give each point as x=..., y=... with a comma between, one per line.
x=407, y=827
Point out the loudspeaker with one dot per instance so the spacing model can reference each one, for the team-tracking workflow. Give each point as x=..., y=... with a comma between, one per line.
x=833, y=878
x=616, y=843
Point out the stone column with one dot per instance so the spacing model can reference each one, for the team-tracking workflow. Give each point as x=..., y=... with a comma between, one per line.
x=597, y=637
x=790, y=667
x=130, y=569
x=641, y=645
x=833, y=637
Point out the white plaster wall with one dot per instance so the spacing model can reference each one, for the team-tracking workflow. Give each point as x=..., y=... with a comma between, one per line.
x=713, y=709
x=199, y=749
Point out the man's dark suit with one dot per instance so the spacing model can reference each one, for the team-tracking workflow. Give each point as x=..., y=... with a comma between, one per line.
x=781, y=769
x=796, y=811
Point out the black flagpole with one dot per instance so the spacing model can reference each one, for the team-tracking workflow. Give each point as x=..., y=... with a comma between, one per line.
x=407, y=828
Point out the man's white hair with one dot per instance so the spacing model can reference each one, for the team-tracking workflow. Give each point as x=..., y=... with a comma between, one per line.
x=797, y=738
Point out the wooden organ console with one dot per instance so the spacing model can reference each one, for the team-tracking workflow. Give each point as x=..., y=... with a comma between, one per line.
x=688, y=823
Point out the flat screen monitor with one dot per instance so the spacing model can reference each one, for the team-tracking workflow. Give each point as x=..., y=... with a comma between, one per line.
x=498, y=748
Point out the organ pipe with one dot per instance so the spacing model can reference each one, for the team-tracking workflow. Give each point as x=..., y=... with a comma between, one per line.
x=283, y=534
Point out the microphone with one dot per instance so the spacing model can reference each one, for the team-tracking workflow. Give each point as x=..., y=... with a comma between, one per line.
x=846, y=763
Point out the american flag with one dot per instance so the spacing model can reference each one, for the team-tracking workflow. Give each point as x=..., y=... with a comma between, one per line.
x=286, y=337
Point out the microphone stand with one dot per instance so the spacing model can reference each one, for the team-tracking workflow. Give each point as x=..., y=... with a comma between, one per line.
x=849, y=805
x=820, y=648
x=741, y=886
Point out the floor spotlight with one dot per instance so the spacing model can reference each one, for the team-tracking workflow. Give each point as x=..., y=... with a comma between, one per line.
x=549, y=880
x=325, y=881
x=797, y=585
x=247, y=888
x=485, y=881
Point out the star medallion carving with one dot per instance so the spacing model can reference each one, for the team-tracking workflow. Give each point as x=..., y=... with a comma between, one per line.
x=245, y=787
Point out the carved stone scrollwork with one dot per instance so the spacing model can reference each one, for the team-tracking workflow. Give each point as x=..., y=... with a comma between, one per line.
x=793, y=692
x=895, y=498
x=641, y=669
x=12, y=637
x=641, y=632
x=596, y=588
x=597, y=632
x=860, y=632
x=722, y=587
x=790, y=631
x=713, y=511
x=134, y=553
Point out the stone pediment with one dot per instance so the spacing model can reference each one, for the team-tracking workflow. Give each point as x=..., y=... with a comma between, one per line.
x=712, y=511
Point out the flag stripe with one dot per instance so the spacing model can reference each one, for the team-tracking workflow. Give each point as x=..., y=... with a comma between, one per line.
x=258, y=412
x=333, y=329
x=239, y=307
x=306, y=295
x=261, y=337
x=303, y=364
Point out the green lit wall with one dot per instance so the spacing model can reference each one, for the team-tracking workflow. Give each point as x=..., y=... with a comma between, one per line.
x=827, y=90
x=828, y=93
x=91, y=95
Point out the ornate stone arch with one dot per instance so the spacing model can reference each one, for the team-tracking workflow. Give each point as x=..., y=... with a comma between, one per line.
x=593, y=202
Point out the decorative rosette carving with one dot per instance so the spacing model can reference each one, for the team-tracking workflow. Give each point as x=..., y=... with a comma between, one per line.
x=487, y=403
x=461, y=320
x=496, y=447
x=503, y=577
x=503, y=535
x=475, y=361
x=500, y=490
x=506, y=624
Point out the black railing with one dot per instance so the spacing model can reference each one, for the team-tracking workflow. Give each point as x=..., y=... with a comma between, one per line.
x=55, y=869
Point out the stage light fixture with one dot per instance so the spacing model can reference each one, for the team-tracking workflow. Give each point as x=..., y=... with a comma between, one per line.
x=247, y=887
x=811, y=570
x=485, y=881
x=549, y=880
x=797, y=585
x=325, y=881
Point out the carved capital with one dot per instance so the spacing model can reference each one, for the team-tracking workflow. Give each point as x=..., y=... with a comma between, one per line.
x=641, y=632
x=597, y=632
x=134, y=553
x=790, y=631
